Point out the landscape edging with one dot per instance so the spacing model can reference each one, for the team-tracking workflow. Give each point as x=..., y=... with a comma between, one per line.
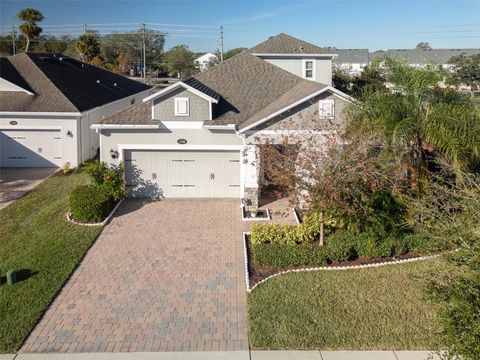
x=328, y=268
x=103, y=223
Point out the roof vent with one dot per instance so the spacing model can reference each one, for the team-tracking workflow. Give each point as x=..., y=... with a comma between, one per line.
x=301, y=48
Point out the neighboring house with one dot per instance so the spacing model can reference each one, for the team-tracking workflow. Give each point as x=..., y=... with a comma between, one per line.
x=352, y=61
x=200, y=137
x=420, y=58
x=204, y=61
x=47, y=104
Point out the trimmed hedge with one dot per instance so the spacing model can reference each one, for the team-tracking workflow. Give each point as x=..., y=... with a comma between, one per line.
x=306, y=232
x=89, y=203
x=289, y=255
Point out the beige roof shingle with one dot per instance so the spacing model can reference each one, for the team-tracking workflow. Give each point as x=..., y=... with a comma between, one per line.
x=286, y=44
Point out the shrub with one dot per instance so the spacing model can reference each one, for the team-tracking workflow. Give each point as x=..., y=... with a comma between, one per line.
x=341, y=246
x=370, y=246
x=282, y=255
x=90, y=204
x=306, y=232
x=273, y=234
x=108, y=177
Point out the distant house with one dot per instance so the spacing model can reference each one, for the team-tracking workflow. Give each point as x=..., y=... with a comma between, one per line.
x=420, y=58
x=352, y=61
x=47, y=104
x=205, y=60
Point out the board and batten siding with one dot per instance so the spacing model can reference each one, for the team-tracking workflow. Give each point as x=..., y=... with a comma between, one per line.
x=164, y=107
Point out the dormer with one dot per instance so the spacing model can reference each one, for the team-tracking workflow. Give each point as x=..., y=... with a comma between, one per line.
x=186, y=104
x=298, y=57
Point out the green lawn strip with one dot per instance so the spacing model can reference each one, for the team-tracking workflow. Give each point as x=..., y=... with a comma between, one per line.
x=35, y=236
x=376, y=308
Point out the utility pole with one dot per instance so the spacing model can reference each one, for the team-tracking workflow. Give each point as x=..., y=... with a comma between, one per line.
x=221, y=43
x=14, y=40
x=144, y=56
x=84, y=28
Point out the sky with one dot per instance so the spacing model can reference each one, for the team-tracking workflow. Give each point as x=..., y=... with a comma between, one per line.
x=372, y=24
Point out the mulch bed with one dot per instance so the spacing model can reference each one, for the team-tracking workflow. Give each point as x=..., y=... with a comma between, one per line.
x=259, y=272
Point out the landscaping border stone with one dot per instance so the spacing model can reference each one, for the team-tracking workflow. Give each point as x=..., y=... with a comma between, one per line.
x=103, y=223
x=329, y=268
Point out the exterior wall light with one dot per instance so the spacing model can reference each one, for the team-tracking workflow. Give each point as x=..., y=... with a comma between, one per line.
x=113, y=154
x=69, y=133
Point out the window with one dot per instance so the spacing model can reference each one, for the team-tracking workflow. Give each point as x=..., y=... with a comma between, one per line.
x=308, y=69
x=326, y=109
x=182, y=107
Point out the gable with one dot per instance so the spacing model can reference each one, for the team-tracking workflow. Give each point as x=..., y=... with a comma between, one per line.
x=164, y=107
x=306, y=117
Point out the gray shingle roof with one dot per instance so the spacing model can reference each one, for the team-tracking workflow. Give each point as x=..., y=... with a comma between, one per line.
x=286, y=44
x=201, y=87
x=423, y=57
x=346, y=56
x=249, y=89
x=61, y=84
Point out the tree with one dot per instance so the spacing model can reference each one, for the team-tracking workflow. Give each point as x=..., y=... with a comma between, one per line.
x=465, y=70
x=423, y=46
x=370, y=79
x=29, y=28
x=419, y=119
x=128, y=48
x=232, y=52
x=179, y=61
x=342, y=80
x=88, y=47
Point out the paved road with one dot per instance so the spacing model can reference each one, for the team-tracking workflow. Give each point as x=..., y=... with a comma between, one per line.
x=14, y=182
x=162, y=276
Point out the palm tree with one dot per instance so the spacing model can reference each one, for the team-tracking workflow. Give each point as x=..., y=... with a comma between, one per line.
x=418, y=118
x=30, y=28
x=88, y=47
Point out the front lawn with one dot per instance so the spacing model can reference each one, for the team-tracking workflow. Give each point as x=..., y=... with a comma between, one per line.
x=38, y=241
x=376, y=308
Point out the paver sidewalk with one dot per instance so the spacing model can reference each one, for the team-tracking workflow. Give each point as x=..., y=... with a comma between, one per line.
x=162, y=276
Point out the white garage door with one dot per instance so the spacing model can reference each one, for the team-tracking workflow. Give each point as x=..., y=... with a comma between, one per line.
x=30, y=148
x=173, y=174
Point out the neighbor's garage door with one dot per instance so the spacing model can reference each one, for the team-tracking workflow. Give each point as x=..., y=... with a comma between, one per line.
x=174, y=174
x=30, y=148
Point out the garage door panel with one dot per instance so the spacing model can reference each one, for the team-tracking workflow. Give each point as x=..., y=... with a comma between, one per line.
x=30, y=148
x=183, y=173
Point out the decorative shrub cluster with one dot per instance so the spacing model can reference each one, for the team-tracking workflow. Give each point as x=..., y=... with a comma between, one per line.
x=93, y=203
x=90, y=204
x=292, y=245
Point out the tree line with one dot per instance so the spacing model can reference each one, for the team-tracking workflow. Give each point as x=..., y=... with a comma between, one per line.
x=118, y=52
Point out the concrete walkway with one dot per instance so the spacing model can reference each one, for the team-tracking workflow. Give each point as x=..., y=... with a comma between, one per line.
x=234, y=355
x=14, y=182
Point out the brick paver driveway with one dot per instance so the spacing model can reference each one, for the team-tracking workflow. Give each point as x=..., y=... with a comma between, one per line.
x=163, y=276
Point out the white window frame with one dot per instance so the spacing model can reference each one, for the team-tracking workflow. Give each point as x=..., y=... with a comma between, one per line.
x=185, y=99
x=320, y=106
x=304, y=69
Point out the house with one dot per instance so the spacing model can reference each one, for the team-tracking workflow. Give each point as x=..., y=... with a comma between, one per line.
x=47, y=104
x=352, y=61
x=204, y=61
x=420, y=58
x=200, y=137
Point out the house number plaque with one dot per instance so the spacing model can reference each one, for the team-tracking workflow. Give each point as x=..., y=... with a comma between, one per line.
x=182, y=141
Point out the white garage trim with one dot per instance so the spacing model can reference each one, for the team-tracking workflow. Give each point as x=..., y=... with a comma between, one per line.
x=34, y=113
x=122, y=147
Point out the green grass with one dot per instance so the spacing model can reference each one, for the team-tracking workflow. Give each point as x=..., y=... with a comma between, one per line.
x=35, y=236
x=377, y=308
